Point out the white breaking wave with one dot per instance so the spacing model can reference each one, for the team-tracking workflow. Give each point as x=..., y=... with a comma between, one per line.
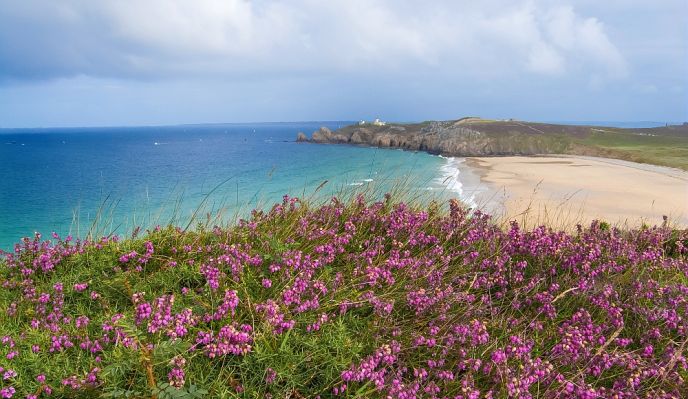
x=450, y=178
x=360, y=183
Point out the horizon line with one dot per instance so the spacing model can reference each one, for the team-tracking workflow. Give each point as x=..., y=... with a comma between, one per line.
x=583, y=122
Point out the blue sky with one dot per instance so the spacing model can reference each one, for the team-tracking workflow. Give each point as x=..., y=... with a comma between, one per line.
x=143, y=62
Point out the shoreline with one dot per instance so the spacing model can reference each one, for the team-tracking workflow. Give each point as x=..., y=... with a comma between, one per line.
x=564, y=190
x=476, y=137
x=459, y=178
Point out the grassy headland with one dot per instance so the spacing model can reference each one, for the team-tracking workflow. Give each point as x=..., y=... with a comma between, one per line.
x=659, y=146
x=665, y=146
x=351, y=299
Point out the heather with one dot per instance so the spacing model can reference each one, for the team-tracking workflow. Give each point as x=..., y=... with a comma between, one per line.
x=349, y=299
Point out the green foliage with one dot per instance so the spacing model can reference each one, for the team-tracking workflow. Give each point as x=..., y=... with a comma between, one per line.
x=166, y=391
x=644, y=148
x=484, y=271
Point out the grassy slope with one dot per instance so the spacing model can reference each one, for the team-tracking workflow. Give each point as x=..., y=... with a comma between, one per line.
x=665, y=146
x=439, y=302
x=658, y=150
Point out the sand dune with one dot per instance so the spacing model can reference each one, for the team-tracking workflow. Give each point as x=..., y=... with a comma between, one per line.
x=565, y=190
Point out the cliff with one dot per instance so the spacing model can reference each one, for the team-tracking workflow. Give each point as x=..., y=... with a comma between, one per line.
x=481, y=137
x=464, y=137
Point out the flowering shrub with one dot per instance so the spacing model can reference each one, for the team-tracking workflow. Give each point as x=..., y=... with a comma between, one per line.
x=349, y=300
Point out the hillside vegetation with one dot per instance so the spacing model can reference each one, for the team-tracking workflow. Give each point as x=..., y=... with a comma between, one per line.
x=351, y=300
x=666, y=146
x=658, y=146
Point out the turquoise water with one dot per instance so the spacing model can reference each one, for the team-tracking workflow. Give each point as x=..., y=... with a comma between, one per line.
x=64, y=180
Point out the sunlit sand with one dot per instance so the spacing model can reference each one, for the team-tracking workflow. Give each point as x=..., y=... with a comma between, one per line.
x=565, y=190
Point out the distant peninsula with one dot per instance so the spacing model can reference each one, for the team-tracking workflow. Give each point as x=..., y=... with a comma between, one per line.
x=473, y=137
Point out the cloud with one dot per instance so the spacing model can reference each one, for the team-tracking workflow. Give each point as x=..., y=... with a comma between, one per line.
x=239, y=39
x=583, y=38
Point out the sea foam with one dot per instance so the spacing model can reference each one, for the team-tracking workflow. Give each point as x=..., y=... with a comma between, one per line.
x=450, y=178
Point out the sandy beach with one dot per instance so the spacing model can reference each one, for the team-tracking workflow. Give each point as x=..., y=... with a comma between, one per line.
x=565, y=190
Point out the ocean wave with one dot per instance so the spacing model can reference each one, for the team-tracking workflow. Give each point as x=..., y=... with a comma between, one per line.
x=361, y=182
x=450, y=178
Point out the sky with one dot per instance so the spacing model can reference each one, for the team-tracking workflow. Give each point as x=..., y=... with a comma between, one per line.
x=159, y=62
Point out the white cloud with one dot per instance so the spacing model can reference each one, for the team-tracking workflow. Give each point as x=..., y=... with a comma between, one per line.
x=158, y=38
x=544, y=58
x=583, y=38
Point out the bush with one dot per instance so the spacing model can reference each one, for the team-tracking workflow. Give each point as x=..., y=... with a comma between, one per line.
x=348, y=300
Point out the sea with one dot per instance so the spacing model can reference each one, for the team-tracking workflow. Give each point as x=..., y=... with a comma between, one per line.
x=112, y=180
x=103, y=181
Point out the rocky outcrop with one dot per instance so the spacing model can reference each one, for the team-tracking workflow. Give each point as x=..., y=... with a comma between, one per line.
x=356, y=138
x=325, y=135
x=322, y=135
x=465, y=137
x=301, y=137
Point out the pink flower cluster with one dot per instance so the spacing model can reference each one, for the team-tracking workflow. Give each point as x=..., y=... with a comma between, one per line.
x=419, y=303
x=229, y=340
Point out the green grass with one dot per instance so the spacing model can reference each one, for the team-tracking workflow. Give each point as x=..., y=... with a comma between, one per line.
x=469, y=271
x=669, y=151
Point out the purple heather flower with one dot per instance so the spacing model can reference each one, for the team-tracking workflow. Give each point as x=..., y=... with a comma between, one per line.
x=270, y=375
x=79, y=287
x=176, y=377
x=7, y=392
x=9, y=374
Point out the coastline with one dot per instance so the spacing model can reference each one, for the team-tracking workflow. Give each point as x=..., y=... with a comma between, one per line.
x=461, y=179
x=564, y=190
x=474, y=137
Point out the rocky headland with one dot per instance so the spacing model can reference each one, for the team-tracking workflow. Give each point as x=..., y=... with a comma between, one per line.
x=480, y=137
